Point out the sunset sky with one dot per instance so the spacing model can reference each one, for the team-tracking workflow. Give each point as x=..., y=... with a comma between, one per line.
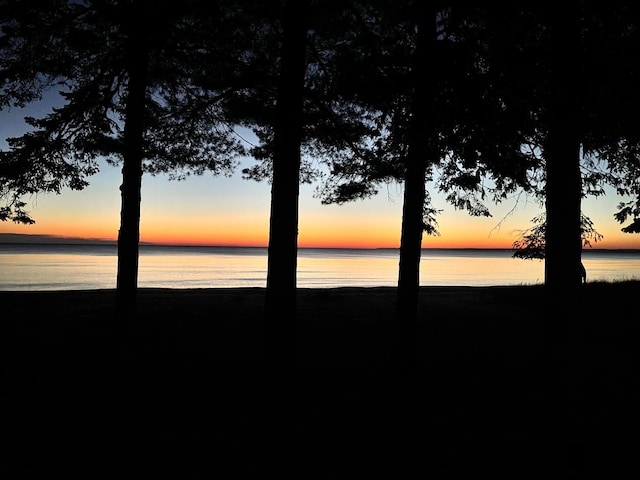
x=210, y=210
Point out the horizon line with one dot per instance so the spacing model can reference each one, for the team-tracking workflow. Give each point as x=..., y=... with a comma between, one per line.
x=45, y=239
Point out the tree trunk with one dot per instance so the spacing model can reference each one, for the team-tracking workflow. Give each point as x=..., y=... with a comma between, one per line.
x=414, y=193
x=280, y=301
x=130, y=190
x=278, y=342
x=563, y=244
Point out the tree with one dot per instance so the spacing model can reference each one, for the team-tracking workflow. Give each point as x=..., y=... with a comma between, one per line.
x=582, y=134
x=440, y=118
x=562, y=155
x=420, y=156
x=280, y=300
x=134, y=94
x=32, y=62
x=292, y=102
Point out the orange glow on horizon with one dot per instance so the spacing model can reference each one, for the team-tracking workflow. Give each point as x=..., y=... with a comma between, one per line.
x=246, y=237
x=632, y=245
x=334, y=232
x=322, y=241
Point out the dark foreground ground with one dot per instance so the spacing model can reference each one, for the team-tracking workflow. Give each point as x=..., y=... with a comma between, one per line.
x=186, y=396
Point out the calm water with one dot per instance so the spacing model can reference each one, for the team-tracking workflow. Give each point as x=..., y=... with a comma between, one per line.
x=68, y=267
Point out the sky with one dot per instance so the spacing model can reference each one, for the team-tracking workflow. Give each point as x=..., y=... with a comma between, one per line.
x=232, y=211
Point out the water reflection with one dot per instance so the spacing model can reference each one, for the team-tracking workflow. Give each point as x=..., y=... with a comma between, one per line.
x=26, y=267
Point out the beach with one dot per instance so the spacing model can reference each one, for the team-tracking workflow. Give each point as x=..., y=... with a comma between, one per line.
x=184, y=393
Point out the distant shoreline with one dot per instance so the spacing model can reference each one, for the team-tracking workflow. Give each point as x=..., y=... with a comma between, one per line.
x=39, y=239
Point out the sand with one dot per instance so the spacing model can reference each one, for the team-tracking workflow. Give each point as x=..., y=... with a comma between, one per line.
x=186, y=395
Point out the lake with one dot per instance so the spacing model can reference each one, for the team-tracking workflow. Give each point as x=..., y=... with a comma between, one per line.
x=87, y=266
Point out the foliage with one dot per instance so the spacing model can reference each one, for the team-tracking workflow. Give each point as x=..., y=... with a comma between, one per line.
x=334, y=128
x=40, y=161
x=429, y=218
x=15, y=212
x=185, y=128
x=531, y=244
x=629, y=209
x=474, y=150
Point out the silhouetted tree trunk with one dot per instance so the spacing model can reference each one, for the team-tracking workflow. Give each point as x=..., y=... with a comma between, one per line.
x=562, y=155
x=563, y=236
x=278, y=343
x=280, y=302
x=421, y=127
x=129, y=233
